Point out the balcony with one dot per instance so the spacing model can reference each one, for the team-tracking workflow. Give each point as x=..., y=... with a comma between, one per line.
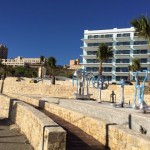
x=98, y=40
x=121, y=73
x=142, y=46
x=122, y=47
x=145, y=64
x=89, y=56
x=107, y=73
x=137, y=38
x=96, y=64
x=91, y=48
x=141, y=55
x=122, y=64
x=121, y=39
x=122, y=55
x=90, y=64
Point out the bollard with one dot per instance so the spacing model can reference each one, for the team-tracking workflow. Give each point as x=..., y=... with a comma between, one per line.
x=113, y=96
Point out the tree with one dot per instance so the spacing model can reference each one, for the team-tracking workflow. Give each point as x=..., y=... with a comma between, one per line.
x=136, y=66
x=142, y=27
x=42, y=58
x=52, y=64
x=104, y=52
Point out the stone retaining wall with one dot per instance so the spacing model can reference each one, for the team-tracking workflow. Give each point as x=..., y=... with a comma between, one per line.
x=64, y=89
x=42, y=132
x=4, y=106
x=107, y=132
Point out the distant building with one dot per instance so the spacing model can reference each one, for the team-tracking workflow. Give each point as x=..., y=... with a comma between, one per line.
x=3, y=51
x=20, y=61
x=75, y=64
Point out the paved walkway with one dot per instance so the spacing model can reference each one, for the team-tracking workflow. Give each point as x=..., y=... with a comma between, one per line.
x=10, y=138
x=76, y=138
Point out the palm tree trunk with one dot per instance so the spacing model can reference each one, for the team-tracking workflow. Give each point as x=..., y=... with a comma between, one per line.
x=100, y=68
x=53, y=77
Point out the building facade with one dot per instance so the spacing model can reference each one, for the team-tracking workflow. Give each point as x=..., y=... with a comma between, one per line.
x=20, y=61
x=3, y=51
x=125, y=44
x=75, y=64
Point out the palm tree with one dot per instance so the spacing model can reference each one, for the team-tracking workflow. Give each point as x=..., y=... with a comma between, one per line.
x=52, y=64
x=136, y=66
x=104, y=52
x=142, y=27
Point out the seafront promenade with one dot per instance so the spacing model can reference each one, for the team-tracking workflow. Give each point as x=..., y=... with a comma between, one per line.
x=89, y=124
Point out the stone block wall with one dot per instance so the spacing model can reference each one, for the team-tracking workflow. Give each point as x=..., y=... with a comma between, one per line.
x=122, y=138
x=111, y=135
x=64, y=89
x=4, y=106
x=107, y=132
x=40, y=130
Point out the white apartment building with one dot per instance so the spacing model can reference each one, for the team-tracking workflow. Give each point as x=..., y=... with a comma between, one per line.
x=125, y=44
x=20, y=61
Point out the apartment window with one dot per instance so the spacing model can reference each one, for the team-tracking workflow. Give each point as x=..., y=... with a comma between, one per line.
x=123, y=69
x=96, y=36
x=108, y=36
x=118, y=78
x=96, y=44
x=92, y=69
x=108, y=61
x=123, y=43
x=102, y=36
x=90, y=37
x=143, y=68
x=126, y=34
x=109, y=78
x=140, y=52
x=118, y=35
x=91, y=52
x=107, y=69
x=123, y=52
x=90, y=44
x=123, y=35
x=122, y=60
x=92, y=61
x=143, y=60
x=140, y=42
x=109, y=44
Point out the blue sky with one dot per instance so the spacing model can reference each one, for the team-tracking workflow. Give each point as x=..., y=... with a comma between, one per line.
x=31, y=28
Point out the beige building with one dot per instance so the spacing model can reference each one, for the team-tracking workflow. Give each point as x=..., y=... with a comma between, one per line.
x=20, y=61
x=75, y=64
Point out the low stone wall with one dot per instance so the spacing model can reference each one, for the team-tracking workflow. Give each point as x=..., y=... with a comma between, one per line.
x=64, y=89
x=42, y=132
x=104, y=130
x=119, y=137
x=24, y=87
x=4, y=106
x=109, y=134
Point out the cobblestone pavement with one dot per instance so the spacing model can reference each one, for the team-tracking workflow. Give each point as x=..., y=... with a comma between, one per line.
x=10, y=138
x=76, y=138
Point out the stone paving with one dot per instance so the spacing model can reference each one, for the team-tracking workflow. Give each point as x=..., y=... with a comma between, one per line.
x=76, y=138
x=10, y=138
